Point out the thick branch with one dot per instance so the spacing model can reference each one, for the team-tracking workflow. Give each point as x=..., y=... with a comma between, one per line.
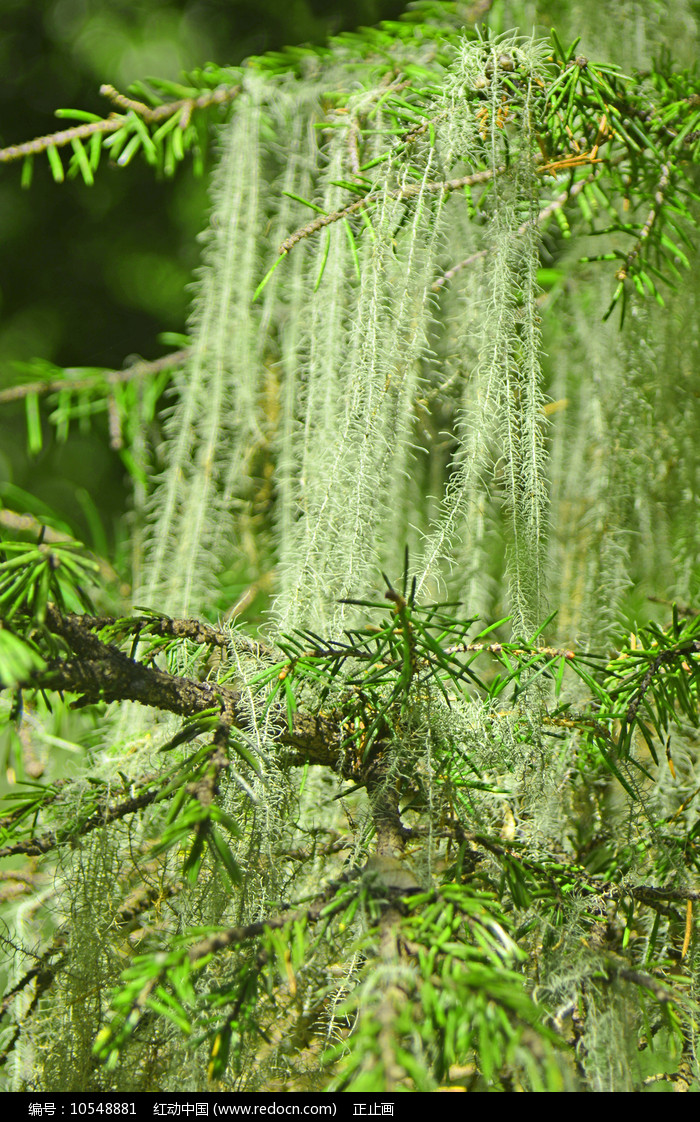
x=101, y=672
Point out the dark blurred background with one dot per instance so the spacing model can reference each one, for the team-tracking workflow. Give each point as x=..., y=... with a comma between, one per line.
x=92, y=275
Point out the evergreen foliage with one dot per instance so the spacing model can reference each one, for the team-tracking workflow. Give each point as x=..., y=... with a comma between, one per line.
x=435, y=832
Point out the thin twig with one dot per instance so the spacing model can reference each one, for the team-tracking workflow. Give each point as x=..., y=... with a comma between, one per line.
x=161, y=112
x=105, y=377
x=115, y=121
x=59, y=139
x=411, y=190
x=444, y=186
x=37, y=845
x=235, y=935
x=659, y=196
x=193, y=629
x=543, y=215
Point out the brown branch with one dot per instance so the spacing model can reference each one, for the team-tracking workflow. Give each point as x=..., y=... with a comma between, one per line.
x=668, y=655
x=59, y=139
x=192, y=629
x=36, y=846
x=543, y=215
x=107, y=378
x=161, y=112
x=444, y=186
x=235, y=935
x=646, y=981
x=413, y=189
x=101, y=672
x=114, y=122
x=659, y=196
x=325, y=904
x=497, y=649
x=649, y=893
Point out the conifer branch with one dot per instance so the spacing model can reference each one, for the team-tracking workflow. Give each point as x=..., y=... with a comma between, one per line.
x=546, y=212
x=60, y=139
x=101, y=672
x=105, y=378
x=150, y=115
x=445, y=187
x=44, y=843
x=185, y=106
x=411, y=191
x=477, y=783
x=659, y=198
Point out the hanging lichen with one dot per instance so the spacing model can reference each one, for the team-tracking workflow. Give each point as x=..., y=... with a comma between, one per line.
x=388, y=389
